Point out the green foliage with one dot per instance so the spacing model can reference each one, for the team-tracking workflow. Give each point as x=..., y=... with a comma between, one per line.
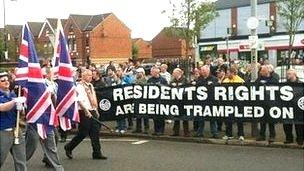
x=12, y=50
x=292, y=14
x=135, y=51
x=189, y=17
x=1, y=46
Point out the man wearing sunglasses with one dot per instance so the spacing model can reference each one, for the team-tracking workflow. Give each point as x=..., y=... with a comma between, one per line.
x=9, y=104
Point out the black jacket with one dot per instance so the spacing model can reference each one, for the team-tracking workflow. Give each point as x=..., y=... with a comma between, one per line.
x=159, y=81
x=211, y=80
x=269, y=79
x=179, y=82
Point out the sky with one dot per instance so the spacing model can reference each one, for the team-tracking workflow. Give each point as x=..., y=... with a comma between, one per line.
x=143, y=17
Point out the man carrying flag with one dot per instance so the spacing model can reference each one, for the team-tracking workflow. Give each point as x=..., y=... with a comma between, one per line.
x=66, y=107
x=66, y=100
x=40, y=110
x=9, y=104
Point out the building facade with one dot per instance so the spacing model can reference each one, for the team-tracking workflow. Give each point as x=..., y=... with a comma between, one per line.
x=144, y=48
x=228, y=33
x=168, y=46
x=98, y=39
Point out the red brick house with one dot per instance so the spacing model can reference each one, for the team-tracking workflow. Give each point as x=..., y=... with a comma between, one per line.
x=98, y=39
x=165, y=45
x=13, y=40
x=46, y=36
x=144, y=48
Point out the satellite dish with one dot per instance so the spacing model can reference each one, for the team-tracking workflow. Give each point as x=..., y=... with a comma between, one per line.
x=252, y=23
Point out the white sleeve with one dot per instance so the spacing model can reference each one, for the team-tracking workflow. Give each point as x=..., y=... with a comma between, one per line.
x=80, y=93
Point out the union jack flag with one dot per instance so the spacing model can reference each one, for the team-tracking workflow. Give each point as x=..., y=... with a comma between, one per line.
x=40, y=110
x=66, y=94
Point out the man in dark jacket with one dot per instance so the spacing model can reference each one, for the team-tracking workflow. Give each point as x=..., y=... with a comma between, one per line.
x=159, y=124
x=178, y=80
x=206, y=79
x=292, y=78
x=266, y=78
x=97, y=80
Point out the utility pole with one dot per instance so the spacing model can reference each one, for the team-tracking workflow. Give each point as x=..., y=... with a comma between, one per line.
x=4, y=34
x=254, y=59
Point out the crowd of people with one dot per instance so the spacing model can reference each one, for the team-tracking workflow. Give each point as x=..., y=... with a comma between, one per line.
x=214, y=72
x=87, y=78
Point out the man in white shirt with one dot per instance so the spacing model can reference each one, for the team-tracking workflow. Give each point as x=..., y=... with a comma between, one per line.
x=87, y=111
x=164, y=73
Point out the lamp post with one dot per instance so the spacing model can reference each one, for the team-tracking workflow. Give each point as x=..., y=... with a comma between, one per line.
x=229, y=32
x=252, y=24
x=4, y=34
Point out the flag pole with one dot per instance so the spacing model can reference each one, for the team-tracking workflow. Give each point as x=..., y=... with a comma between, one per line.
x=102, y=124
x=16, y=131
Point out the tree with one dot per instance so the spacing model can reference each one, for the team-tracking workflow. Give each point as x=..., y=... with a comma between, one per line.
x=1, y=47
x=135, y=51
x=192, y=16
x=292, y=13
x=12, y=50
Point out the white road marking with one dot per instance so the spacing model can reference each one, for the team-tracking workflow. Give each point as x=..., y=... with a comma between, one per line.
x=139, y=142
x=113, y=140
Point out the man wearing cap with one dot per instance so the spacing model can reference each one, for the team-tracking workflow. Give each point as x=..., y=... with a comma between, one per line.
x=9, y=104
x=179, y=80
x=156, y=79
x=141, y=79
x=299, y=128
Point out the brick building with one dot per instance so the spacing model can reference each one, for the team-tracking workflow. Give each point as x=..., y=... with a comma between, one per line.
x=13, y=40
x=233, y=14
x=46, y=36
x=98, y=39
x=165, y=45
x=144, y=48
x=44, y=49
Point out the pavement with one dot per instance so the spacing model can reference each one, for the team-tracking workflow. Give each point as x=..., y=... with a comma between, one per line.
x=249, y=140
x=136, y=154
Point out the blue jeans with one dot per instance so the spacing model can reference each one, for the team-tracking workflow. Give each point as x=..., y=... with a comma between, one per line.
x=201, y=127
x=121, y=124
x=159, y=126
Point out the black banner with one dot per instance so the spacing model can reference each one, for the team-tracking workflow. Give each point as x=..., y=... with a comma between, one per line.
x=244, y=102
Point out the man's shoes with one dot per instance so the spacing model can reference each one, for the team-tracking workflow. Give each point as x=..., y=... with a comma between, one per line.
x=99, y=156
x=136, y=132
x=288, y=142
x=62, y=140
x=260, y=139
x=215, y=137
x=146, y=131
x=157, y=134
x=271, y=140
x=227, y=137
x=68, y=152
x=299, y=141
x=187, y=134
x=174, y=135
x=130, y=128
x=46, y=162
x=199, y=135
